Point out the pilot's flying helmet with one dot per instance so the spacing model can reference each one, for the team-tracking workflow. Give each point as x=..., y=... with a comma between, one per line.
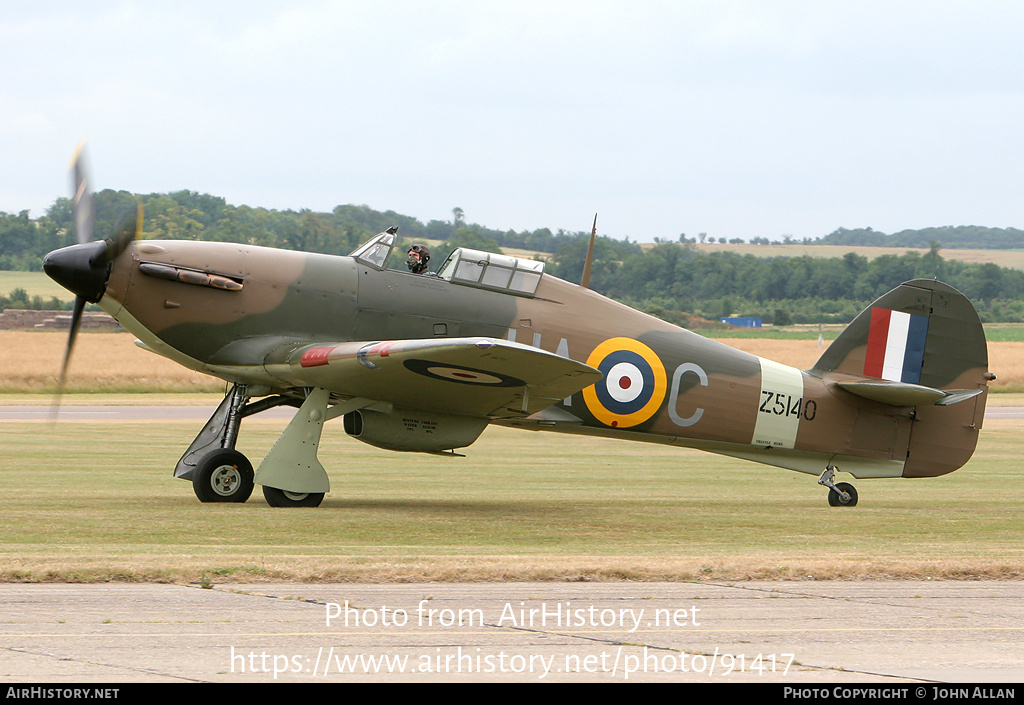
x=419, y=255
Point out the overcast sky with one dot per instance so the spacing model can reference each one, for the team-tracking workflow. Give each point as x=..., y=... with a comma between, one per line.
x=738, y=119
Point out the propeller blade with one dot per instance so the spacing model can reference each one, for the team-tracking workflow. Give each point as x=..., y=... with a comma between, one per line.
x=85, y=218
x=82, y=206
x=85, y=267
x=129, y=231
x=76, y=321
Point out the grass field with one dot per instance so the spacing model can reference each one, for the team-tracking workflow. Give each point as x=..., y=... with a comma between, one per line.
x=89, y=501
x=101, y=362
x=35, y=283
x=1004, y=258
x=994, y=332
x=96, y=502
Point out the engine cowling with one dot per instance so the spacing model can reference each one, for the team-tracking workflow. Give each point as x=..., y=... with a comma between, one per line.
x=414, y=431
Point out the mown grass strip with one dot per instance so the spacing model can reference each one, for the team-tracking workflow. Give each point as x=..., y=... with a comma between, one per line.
x=94, y=502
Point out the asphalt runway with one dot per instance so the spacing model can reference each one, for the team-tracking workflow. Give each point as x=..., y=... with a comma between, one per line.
x=124, y=413
x=899, y=632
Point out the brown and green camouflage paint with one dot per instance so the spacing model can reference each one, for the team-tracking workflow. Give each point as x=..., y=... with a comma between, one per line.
x=661, y=383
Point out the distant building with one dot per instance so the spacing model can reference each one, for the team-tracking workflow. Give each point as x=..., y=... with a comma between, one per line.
x=23, y=319
x=742, y=322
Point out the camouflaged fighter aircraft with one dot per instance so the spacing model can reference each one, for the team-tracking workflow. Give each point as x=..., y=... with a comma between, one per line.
x=424, y=362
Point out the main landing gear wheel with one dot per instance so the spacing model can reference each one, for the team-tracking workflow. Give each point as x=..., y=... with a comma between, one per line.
x=223, y=476
x=835, y=498
x=283, y=498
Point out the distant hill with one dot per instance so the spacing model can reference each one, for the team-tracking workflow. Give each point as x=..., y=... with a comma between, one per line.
x=971, y=237
x=1013, y=259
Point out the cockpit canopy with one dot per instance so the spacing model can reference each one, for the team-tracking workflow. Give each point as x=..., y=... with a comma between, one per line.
x=375, y=251
x=481, y=270
x=488, y=270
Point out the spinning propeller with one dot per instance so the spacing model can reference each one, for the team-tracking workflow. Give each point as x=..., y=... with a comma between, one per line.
x=83, y=269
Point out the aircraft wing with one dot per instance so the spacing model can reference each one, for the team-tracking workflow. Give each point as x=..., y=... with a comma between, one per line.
x=473, y=376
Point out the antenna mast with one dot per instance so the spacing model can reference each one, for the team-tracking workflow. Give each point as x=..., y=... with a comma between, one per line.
x=585, y=280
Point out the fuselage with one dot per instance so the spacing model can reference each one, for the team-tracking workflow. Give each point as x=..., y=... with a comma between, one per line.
x=215, y=306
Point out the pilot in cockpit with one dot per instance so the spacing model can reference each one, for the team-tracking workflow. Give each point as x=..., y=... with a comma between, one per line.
x=418, y=256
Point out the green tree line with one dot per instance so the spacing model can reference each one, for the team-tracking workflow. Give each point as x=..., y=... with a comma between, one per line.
x=19, y=298
x=670, y=280
x=193, y=216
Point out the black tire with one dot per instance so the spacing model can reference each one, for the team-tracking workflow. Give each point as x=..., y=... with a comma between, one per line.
x=283, y=498
x=836, y=500
x=223, y=476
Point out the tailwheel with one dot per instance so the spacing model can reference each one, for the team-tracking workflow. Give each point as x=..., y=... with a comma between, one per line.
x=835, y=496
x=840, y=494
x=284, y=498
x=223, y=475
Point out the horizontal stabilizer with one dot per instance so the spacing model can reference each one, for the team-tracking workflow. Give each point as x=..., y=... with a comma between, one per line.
x=905, y=394
x=955, y=396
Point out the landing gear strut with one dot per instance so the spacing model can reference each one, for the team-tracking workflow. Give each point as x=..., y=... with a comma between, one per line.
x=218, y=472
x=841, y=494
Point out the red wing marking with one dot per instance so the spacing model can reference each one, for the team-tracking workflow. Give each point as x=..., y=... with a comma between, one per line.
x=315, y=357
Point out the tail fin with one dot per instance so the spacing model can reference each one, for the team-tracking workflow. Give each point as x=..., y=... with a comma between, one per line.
x=922, y=332
x=921, y=345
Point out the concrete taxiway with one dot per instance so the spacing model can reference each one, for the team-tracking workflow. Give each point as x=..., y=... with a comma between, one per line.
x=897, y=632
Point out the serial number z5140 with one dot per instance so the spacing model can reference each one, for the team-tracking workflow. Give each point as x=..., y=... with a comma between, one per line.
x=780, y=404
